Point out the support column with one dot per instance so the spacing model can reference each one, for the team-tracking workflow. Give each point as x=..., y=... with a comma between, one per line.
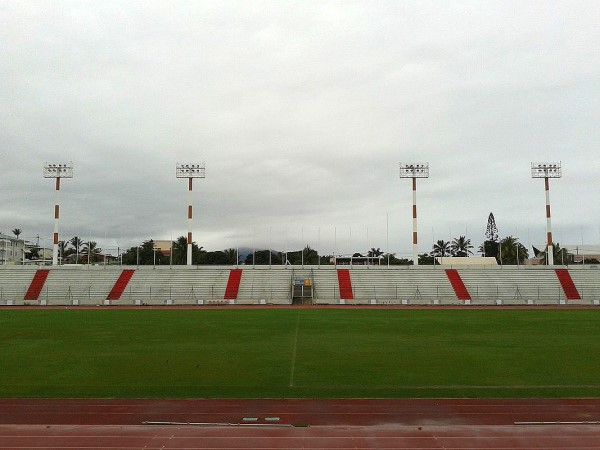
x=550, y=245
x=189, y=236
x=56, y=217
x=415, y=241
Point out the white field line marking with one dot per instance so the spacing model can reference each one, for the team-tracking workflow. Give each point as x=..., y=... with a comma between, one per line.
x=459, y=386
x=292, y=370
x=580, y=422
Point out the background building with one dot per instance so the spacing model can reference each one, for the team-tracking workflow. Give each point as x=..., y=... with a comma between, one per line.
x=12, y=250
x=573, y=254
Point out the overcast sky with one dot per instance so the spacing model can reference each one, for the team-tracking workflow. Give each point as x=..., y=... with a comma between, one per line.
x=301, y=111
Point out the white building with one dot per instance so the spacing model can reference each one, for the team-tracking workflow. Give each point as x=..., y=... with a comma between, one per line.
x=12, y=250
x=581, y=252
x=576, y=254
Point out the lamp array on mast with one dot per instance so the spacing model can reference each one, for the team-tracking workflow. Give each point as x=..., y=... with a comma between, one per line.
x=57, y=171
x=414, y=171
x=190, y=171
x=546, y=171
x=406, y=170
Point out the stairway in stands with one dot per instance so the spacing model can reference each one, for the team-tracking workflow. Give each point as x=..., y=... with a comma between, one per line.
x=457, y=284
x=37, y=284
x=233, y=284
x=567, y=284
x=120, y=285
x=345, y=284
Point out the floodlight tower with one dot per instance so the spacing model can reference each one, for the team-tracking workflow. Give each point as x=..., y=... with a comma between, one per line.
x=414, y=171
x=57, y=171
x=546, y=171
x=190, y=171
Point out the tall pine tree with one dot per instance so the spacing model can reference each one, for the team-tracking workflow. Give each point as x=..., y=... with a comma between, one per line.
x=491, y=232
x=490, y=245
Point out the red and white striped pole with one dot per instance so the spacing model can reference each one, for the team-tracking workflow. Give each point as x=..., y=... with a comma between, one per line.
x=57, y=171
x=550, y=245
x=190, y=171
x=414, y=171
x=56, y=217
x=189, y=235
x=546, y=171
x=414, y=208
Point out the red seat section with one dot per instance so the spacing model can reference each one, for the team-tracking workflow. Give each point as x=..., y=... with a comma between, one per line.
x=457, y=284
x=345, y=284
x=233, y=284
x=120, y=285
x=37, y=284
x=567, y=284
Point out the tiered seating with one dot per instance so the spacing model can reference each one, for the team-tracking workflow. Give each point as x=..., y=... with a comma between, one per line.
x=204, y=285
x=266, y=285
x=179, y=285
x=406, y=285
x=371, y=286
x=91, y=285
x=326, y=288
x=383, y=285
x=79, y=285
x=588, y=284
x=14, y=283
x=513, y=285
x=480, y=286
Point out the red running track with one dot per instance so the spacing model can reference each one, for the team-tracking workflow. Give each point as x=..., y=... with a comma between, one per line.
x=299, y=423
x=382, y=437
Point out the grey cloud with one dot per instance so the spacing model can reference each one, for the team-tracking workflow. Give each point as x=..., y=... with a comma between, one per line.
x=301, y=112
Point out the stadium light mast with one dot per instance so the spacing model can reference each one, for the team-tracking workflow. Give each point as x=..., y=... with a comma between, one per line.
x=57, y=171
x=546, y=171
x=414, y=171
x=190, y=171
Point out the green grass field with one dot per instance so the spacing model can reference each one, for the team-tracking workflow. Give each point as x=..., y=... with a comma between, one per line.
x=299, y=353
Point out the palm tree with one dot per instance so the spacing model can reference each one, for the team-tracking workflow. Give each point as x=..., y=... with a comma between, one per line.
x=374, y=252
x=560, y=255
x=77, y=244
x=179, y=251
x=511, y=251
x=461, y=247
x=231, y=255
x=441, y=249
x=489, y=248
x=92, y=250
x=62, y=246
x=17, y=232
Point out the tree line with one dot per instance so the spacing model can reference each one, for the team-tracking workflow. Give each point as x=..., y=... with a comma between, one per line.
x=74, y=246
x=507, y=250
x=148, y=254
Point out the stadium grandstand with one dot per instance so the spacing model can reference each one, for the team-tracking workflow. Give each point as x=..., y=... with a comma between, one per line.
x=361, y=284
